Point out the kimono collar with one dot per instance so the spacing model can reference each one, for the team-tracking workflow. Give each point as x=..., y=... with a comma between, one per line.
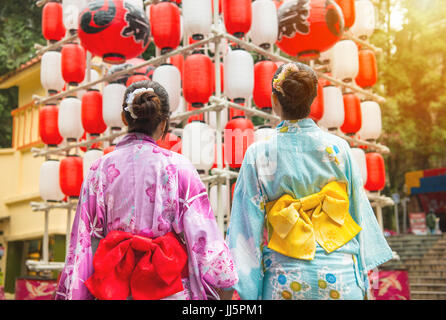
x=302, y=124
x=134, y=136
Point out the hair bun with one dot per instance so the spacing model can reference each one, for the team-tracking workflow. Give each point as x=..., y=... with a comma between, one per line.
x=147, y=105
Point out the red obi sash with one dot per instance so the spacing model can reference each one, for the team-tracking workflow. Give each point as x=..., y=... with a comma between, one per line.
x=147, y=269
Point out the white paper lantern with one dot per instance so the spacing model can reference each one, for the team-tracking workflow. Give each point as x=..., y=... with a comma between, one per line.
x=71, y=10
x=223, y=118
x=51, y=72
x=94, y=75
x=265, y=25
x=222, y=201
x=371, y=121
x=263, y=133
x=197, y=18
x=239, y=75
x=112, y=100
x=89, y=158
x=344, y=62
x=49, y=187
x=137, y=3
x=365, y=19
x=70, y=119
x=169, y=77
x=359, y=157
x=198, y=145
x=334, y=113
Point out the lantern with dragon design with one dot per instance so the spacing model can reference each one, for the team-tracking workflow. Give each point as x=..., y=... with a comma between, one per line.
x=115, y=30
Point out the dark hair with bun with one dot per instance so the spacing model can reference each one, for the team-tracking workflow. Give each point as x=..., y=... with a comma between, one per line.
x=150, y=108
x=299, y=90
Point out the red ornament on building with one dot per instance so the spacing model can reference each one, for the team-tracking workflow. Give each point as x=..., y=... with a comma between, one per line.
x=317, y=108
x=308, y=27
x=238, y=136
x=92, y=119
x=348, y=11
x=263, y=74
x=352, y=114
x=71, y=175
x=166, y=26
x=376, y=172
x=74, y=63
x=53, y=28
x=114, y=30
x=136, y=78
x=237, y=16
x=48, y=125
x=198, y=80
x=368, y=69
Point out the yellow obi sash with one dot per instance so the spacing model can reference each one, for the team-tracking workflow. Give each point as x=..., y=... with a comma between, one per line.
x=321, y=217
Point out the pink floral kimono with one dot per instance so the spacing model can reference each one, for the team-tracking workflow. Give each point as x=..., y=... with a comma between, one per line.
x=148, y=191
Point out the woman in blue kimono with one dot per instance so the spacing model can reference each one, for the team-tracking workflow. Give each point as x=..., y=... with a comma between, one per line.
x=301, y=224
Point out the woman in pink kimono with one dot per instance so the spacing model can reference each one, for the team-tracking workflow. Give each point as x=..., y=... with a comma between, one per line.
x=144, y=227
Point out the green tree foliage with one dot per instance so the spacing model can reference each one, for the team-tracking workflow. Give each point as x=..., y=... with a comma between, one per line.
x=20, y=29
x=412, y=78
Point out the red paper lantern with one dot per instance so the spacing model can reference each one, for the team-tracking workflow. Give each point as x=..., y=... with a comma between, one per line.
x=109, y=149
x=53, y=28
x=96, y=145
x=71, y=175
x=178, y=61
x=376, y=172
x=48, y=128
x=238, y=136
x=197, y=117
x=198, y=79
x=317, y=108
x=74, y=63
x=166, y=26
x=114, y=30
x=307, y=28
x=348, y=11
x=92, y=119
x=263, y=74
x=170, y=142
x=352, y=114
x=237, y=16
x=368, y=70
x=136, y=78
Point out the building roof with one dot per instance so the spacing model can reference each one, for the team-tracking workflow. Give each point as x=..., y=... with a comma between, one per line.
x=21, y=68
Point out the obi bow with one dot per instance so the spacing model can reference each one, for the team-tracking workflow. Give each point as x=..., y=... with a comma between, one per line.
x=145, y=268
x=321, y=217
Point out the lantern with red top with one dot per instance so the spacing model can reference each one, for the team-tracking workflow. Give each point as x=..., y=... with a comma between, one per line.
x=115, y=30
x=368, y=70
x=166, y=26
x=238, y=136
x=198, y=79
x=73, y=63
x=92, y=119
x=317, y=108
x=348, y=11
x=53, y=28
x=48, y=127
x=308, y=27
x=263, y=74
x=352, y=110
x=376, y=172
x=71, y=175
x=170, y=142
x=237, y=16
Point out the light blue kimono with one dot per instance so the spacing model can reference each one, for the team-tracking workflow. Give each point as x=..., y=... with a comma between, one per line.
x=300, y=159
